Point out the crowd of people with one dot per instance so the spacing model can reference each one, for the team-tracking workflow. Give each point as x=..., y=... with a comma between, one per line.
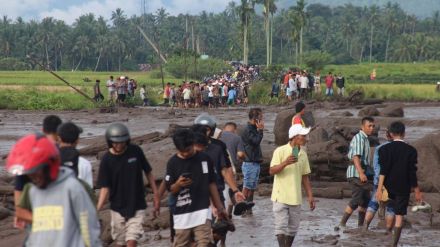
x=231, y=88
x=56, y=203
x=301, y=85
x=228, y=89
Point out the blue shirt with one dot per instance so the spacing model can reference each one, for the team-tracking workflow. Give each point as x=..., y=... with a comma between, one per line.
x=376, y=165
x=231, y=94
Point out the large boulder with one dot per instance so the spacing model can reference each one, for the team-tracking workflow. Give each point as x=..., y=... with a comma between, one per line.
x=368, y=111
x=428, y=173
x=283, y=122
x=318, y=135
x=327, y=152
x=393, y=110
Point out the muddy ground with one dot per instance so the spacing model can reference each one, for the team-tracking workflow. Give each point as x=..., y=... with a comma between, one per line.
x=316, y=227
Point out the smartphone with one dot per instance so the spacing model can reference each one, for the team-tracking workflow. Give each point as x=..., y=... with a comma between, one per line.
x=186, y=175
x=295, y=152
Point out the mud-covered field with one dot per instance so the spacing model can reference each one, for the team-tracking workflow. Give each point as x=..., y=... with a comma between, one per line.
x=151, y=126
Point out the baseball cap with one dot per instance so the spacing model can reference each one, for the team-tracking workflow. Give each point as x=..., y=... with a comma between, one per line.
x=298, y=129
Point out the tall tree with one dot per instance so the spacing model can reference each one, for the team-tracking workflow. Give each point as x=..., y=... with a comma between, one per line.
x=301, y=19
x=246, y=9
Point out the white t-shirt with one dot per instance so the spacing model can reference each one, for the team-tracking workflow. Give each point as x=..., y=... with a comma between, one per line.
x=211, y=94
x=186, y=93
x=303, y=82
x=292, y=85
x=111, y=86
x=85, y=171
x=142, y=93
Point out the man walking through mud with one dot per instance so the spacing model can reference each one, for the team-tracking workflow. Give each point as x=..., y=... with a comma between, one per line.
x=121, y=179
x=398, y=173
x=357, y=172
x=252, y=137
x=290, y=167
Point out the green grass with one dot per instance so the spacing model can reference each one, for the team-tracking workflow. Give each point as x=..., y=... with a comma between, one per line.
x=260, y=92
x=388, y=72
x=406, y=82
x=43, y=78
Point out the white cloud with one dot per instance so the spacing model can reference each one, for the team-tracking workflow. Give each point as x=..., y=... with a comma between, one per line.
x=70, y=10
x=27, y=9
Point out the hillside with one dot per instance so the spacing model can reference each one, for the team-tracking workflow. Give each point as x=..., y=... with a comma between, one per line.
x=412, y=6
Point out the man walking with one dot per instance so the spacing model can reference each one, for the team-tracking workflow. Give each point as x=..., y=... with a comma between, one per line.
x=252, y=137
x=329, y=84
x=373, y=205
x=398, y=173
x=357, y=172
x=340, y=83
x=190, y=177
x=290, y=167
x=120, y=177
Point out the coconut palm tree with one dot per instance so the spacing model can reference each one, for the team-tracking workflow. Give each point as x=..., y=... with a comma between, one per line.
x=246, y=9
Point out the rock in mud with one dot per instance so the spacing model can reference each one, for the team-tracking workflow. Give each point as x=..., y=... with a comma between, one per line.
x=318, y=135
x=393, y=110
x=341, y=114
x=4, y=213
x=428, y=172
x=368, y=111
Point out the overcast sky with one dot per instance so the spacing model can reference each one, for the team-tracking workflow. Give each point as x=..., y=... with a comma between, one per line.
x=69, y=10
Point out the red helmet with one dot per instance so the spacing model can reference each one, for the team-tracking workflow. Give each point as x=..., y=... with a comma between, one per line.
x=32, y=152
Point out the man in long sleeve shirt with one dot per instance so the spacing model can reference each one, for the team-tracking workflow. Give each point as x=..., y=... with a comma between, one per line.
x=398, y=173
x=252, y=137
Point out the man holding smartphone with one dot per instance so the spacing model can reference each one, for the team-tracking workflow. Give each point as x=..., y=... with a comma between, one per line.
x=290, y=167
x=252, y=137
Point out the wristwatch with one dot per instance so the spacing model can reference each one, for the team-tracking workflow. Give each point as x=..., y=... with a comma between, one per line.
x=235, y=192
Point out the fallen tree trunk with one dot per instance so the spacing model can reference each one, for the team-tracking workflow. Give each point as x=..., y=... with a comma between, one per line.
x=95, y=148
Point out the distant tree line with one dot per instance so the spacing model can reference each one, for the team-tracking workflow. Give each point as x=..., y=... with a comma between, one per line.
x=348, y=33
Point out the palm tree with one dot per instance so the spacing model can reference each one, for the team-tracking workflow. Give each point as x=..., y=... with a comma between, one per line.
x=374, y=13
x=268, y=10
x=81, y=47
x=301, y=19
x=246, y=9
x=392, y=24
x=118, y=18
x=47, y=35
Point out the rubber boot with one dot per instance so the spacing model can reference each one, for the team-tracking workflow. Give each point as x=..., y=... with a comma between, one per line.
x=343, y=222
x=396, y=235
x=289, y=240
x=281, y=240
x=361, y=218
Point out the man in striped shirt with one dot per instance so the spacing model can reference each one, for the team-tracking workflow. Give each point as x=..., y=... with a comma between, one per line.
x=357, y=172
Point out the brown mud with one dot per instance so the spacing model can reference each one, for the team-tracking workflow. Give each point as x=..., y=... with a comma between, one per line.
x=150, y=126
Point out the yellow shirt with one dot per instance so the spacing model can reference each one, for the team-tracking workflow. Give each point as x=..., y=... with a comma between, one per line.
x=287, y=184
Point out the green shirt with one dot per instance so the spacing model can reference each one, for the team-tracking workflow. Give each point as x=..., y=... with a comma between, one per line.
x=359, y=146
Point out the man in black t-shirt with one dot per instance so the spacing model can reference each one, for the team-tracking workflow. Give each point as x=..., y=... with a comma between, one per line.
x=120, y=178
x=398, y=173
x=190, y=177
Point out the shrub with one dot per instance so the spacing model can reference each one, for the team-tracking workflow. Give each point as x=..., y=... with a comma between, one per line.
x=10, y=63
x=316, y=60
x=205, y=68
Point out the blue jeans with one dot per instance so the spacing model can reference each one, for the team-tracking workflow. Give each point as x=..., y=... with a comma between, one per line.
x=373, y=205
x=251, y=173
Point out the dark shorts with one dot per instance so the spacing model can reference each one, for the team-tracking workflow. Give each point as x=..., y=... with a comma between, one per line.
x=360, y=193
x=121, y=97
x=399, y=203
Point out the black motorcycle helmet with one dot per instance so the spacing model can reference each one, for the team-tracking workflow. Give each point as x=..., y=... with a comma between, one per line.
x=117, y=132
